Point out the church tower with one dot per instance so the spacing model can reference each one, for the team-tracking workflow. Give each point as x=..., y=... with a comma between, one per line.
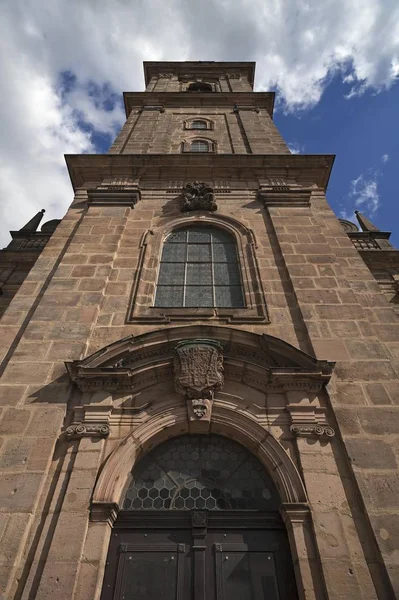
x=199, y=396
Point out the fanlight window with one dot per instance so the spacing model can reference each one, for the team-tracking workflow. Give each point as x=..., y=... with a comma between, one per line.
x=199, y=125
x=200, y=472
x=199, y=146
x=199, y=268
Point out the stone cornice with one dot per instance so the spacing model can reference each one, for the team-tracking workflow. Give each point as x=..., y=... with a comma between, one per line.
x=211, y=100
x=199, y=68
x=262, y=362
x=311, y=168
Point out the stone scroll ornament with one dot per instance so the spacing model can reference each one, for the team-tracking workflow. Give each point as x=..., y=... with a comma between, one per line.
x=198, y=367
x=198, y=196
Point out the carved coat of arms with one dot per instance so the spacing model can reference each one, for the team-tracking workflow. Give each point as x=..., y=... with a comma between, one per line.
x=198, y=367
x=198, y=196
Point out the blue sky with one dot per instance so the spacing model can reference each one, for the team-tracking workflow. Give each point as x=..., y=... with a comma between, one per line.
x=334, y=65
x=363, y=133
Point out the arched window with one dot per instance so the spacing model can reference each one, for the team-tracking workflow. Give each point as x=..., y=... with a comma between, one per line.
x=200, y=472
x=199, y=268
x=199, y=146
x=199, y=125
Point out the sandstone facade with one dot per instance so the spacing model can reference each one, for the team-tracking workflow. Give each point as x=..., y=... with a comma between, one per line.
x=311, y=362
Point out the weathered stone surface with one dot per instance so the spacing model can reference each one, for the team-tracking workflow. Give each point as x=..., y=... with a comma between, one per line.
x=370, y=454
x=313, y=290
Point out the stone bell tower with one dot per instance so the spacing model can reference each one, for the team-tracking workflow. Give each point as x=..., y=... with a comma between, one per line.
x=199, y=394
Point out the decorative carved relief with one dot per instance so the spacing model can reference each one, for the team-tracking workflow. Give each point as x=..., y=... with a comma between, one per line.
x=308, y=421
x=198, y=367
x=198, y=196
x=83, y=430
x=199, y=518
x=311, y=430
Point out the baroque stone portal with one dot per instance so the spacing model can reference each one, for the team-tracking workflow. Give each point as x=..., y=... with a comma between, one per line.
x=198, y=196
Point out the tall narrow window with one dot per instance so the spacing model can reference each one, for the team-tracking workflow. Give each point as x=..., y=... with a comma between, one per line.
x=199, y=268
x=199, y=146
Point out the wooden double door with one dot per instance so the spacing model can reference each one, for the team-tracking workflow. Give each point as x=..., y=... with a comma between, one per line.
x=199, y=556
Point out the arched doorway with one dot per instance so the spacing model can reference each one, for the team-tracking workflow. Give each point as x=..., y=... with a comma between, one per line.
x=199, y=521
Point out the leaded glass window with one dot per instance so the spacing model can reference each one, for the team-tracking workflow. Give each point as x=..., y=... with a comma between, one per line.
x=198, y=125
x=199, y=146
x=199, y=268
x=200, y=472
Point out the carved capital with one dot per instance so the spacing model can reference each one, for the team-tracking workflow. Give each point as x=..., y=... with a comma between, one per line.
x=308, y=420
x=80, y=430
x=304, y=430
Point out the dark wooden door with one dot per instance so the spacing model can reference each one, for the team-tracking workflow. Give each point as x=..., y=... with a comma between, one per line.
x=149, y=564
x=199, y=556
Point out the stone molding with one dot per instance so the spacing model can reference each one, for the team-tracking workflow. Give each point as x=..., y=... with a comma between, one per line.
x=90, y=420
x=261, y=361
x=226, y=420
x=309, y=421
x=80, y=430
x=146, y=107
x=242, y=107
x=109, y=196
x=292, y=513
x=141, y=308
x=302, y=168
x=104, y=512
x=284, y=195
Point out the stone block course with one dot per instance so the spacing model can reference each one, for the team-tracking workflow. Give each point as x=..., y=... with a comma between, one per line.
x=370, y=454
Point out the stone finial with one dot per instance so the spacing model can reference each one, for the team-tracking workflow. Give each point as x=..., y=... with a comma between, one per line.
x=364, y=223
x=198, y=367
x=34, y=223
x=198, y=196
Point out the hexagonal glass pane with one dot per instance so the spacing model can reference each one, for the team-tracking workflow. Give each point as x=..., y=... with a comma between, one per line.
x=200, y=472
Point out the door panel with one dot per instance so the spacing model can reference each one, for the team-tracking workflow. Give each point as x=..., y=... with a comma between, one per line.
x=245, y=575
x=250, y=565
x=147, y=573
x=148, y=565
x=229, y=556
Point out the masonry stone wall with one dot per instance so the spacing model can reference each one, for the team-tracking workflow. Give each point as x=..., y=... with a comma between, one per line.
x=320, y=297
x=157, y=131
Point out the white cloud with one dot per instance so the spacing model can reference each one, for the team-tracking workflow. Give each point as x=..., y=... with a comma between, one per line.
x=364, y=193
x=298, y=46
x=385, y=158
x=295, y=148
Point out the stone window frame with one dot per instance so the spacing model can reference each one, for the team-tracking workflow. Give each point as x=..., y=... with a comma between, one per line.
x=210, y=125
x=212, y=144
x=141, y=306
